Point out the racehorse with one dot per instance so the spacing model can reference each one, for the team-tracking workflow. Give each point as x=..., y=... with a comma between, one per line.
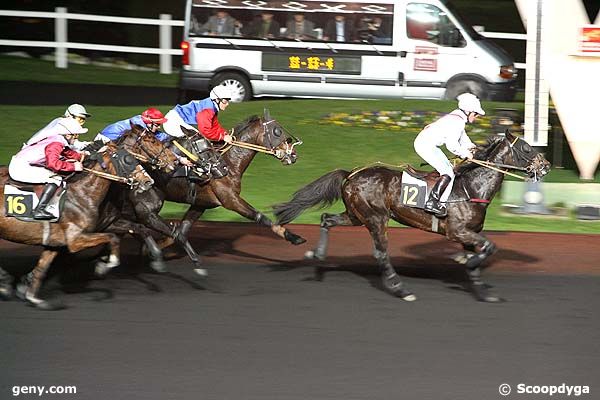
x=256, y=134
x=373, y=195
x=77, y=227
x=135, y=212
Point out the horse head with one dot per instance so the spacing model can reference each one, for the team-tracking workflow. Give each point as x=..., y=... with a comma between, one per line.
x=144, y=145
x=277, y=139
x=512, y=152
x=122, y=165
x=522, y=155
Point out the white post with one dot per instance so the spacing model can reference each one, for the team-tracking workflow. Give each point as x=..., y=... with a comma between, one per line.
x=536, y=87
x=165, y=44
x=60, y=36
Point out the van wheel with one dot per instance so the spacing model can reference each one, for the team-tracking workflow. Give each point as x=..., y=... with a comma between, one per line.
x=239, y=85
x=462, y=86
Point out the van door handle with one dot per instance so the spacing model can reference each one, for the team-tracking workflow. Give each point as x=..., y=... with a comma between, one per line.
x=403, y=54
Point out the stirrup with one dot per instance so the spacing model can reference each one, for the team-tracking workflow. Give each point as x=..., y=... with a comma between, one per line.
x=42, y=215
x=438, y=210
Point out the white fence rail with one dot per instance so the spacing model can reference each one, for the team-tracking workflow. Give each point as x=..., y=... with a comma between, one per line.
x=61, y=43
x=165, y=23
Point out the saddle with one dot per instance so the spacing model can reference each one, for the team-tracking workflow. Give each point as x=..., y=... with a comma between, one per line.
x=429, y=177
x=27, y=187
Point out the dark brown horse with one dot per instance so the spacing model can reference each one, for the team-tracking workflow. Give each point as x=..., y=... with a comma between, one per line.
x=253, y=135
x=77, y=227
x=373, y=195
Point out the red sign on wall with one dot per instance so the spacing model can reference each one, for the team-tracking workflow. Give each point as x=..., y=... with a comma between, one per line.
x=589, y=42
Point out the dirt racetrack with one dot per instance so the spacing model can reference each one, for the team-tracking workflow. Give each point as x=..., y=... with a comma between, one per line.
x=262, y=327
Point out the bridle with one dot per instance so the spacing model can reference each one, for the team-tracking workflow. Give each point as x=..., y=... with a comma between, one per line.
x=503, y=168
x=129, y=181
x=290, y=140
x=155, y=161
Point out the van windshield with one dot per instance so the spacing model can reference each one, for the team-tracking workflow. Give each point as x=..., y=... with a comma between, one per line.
x=466, y=25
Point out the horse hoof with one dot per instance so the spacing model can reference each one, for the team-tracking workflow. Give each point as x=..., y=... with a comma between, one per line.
x=482, y=294
x=102, y=267
x=159, y=266
x=293, y=238
x=46, y=305
x=201, y=271
x=21, y=290
x=298, y=241
x=394, y=285
x=312, y=255
x=406, y=295
x=6, y=293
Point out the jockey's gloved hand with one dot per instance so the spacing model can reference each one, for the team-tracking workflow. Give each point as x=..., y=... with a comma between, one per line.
x=185, y=161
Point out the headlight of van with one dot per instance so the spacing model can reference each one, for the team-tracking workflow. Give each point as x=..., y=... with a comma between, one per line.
x=508, y=72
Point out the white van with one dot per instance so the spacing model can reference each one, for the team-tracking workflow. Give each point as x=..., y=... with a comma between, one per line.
x=358, y=49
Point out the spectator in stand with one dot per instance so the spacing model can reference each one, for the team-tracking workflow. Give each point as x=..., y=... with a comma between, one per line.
x=340, y=29
x=300, y=28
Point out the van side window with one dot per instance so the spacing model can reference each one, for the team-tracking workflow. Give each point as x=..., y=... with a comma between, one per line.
x=429, y=23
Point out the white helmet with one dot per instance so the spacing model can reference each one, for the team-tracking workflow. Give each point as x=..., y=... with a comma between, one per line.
x=221, y=92
x=77, y=110
x=68, y=126
x=469, y=103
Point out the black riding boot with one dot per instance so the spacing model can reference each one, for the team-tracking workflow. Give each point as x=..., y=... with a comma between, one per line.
x=433, y=205
x=46, y=196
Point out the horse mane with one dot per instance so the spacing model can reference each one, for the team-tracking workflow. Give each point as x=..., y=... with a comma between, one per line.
x=482, y=152
x=242, y=126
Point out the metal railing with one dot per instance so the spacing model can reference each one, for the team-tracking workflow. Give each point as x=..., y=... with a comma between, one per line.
x=165, y=23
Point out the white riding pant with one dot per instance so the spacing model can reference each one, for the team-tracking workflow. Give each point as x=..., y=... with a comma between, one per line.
x=20, y=170
x=438, y=160
x=174, y=123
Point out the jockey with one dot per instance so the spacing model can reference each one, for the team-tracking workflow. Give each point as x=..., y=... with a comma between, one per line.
x=448, y=130
x=41, y=161
x=203, y=113
x=151, y=119
x=74, y=111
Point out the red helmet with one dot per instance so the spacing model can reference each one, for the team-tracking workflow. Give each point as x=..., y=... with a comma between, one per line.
x=153, y=116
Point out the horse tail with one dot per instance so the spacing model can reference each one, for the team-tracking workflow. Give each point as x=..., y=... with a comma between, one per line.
x=323, y=191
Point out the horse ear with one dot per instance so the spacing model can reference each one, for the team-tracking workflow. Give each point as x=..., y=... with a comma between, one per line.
x=131, y=124
x=267, y=115
x=509, y=135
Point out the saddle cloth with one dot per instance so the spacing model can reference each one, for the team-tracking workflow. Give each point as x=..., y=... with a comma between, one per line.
x=20, y=199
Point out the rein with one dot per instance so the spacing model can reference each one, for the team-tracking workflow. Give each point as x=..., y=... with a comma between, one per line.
x=493, y=166
x=110, y=177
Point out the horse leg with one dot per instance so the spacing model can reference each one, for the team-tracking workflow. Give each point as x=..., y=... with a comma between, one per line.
x=483, y=248
x=142, y=234
x=154, y=221
x=328, y=221
x=87, y=240
x=182, y=230
x=390, y=279
x=5, y=285
x=233, y=202
x=37, y=276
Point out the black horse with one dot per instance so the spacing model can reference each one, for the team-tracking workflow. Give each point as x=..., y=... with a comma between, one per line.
x=373, y=195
